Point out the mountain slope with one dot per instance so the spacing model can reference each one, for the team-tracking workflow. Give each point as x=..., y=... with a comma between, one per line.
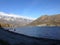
x=13, y=21
x=47, y=20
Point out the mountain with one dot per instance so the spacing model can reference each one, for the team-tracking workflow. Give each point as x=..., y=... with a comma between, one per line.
x=6, y=20
x=53, y=20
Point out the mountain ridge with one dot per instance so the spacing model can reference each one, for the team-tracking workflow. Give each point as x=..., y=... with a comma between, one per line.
x=16, y=16
x=13, y=21
x=46, y=20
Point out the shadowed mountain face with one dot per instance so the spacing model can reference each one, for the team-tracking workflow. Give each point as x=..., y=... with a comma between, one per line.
x=47, y=20
x=13, y=21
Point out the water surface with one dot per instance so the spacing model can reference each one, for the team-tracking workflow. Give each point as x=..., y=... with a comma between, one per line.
x=39, y=32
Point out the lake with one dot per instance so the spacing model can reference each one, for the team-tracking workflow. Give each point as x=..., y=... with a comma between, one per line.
x=52, y=32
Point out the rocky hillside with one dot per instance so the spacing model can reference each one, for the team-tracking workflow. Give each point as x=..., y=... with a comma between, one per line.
x=53, y=20
x=11, y=21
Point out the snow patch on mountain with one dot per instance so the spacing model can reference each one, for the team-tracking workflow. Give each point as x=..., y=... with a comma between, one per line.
x=16, y=16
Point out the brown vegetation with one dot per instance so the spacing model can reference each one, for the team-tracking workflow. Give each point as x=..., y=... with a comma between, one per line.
x=48, y=20
x=5, y=24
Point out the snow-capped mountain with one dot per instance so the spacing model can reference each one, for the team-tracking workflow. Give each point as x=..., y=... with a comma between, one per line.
x=11, y=18
x=14, y=19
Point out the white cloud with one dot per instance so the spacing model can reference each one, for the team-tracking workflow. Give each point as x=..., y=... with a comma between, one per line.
x=14, y=15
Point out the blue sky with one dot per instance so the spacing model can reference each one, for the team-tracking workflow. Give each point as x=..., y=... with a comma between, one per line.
x=30, y=8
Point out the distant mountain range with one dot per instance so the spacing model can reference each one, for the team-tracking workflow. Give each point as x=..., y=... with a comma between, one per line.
x=53, y=20
x=14, y=21
x=6, y=20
